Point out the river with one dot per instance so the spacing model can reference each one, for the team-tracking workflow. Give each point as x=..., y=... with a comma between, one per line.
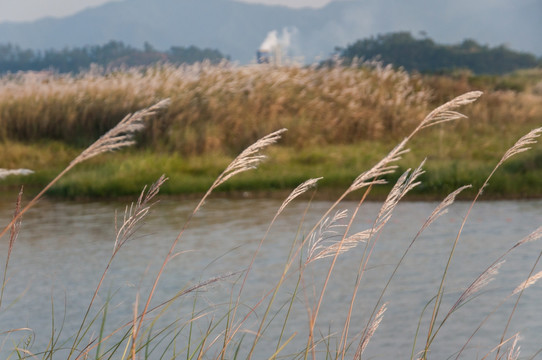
x=64, y=246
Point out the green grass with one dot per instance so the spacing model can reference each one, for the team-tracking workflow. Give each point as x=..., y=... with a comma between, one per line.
x=454, y=160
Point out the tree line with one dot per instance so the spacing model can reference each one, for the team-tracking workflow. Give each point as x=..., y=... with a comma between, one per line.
x=400, y=49
x=424, y=55
x=114, y=54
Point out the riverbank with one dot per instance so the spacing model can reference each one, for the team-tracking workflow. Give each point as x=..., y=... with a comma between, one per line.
x=341, y=121
x=125, y=173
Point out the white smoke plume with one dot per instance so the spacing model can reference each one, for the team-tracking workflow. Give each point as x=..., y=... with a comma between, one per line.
x=274, y=40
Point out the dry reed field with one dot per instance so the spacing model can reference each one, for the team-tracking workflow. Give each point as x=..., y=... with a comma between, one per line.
x=216, y=108
x=224, y=108
x=328, y=238
x=339, y=119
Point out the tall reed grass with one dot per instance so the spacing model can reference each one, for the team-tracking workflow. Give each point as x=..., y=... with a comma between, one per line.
x=317, y=105
x=328, y=238
x=224, y=108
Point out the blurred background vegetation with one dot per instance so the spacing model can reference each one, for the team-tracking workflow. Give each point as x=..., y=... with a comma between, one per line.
x=342, y=116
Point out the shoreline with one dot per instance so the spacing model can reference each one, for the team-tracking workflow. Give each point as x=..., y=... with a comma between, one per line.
x=320, y=195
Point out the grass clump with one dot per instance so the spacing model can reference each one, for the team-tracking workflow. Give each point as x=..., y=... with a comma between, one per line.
x=230, y=334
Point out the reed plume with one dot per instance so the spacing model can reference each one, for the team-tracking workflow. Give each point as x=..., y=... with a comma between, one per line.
x=249, y=159
x=522, y=144
x=529, y=282
x=369, y=332
x=512, y=353
x=446, y=112
x=443, y=206
x=514, y=350
x=406, y=183
x=135, y=213
x=383, y=167
x=324, y=243
x=298, y=191
x=122, y=134
x=481, y=281
x=535, y=235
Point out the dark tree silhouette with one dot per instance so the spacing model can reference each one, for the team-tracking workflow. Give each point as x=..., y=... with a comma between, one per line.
x=111, y=55
x=424, y=55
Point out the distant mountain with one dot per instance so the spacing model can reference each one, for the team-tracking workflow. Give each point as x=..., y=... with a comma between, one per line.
x=239, y=29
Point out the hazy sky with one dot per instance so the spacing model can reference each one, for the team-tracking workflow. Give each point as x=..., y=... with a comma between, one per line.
x=25, y=10
x=515, y=23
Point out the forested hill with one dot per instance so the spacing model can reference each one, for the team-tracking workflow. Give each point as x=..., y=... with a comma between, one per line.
x=114, y=54
x=424, y=55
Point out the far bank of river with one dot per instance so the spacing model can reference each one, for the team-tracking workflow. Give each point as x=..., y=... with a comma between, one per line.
x=125, y=173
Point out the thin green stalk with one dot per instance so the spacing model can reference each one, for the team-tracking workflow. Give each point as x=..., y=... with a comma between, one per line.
x=229, y=319
x=293, y=295
x=290, y=305
x=13, y=236
x=113, y=350
x=418, y=327
x=190, y=328
x=102, y=329
x=274, y=356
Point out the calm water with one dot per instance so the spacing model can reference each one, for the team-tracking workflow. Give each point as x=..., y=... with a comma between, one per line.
x=63, y=248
